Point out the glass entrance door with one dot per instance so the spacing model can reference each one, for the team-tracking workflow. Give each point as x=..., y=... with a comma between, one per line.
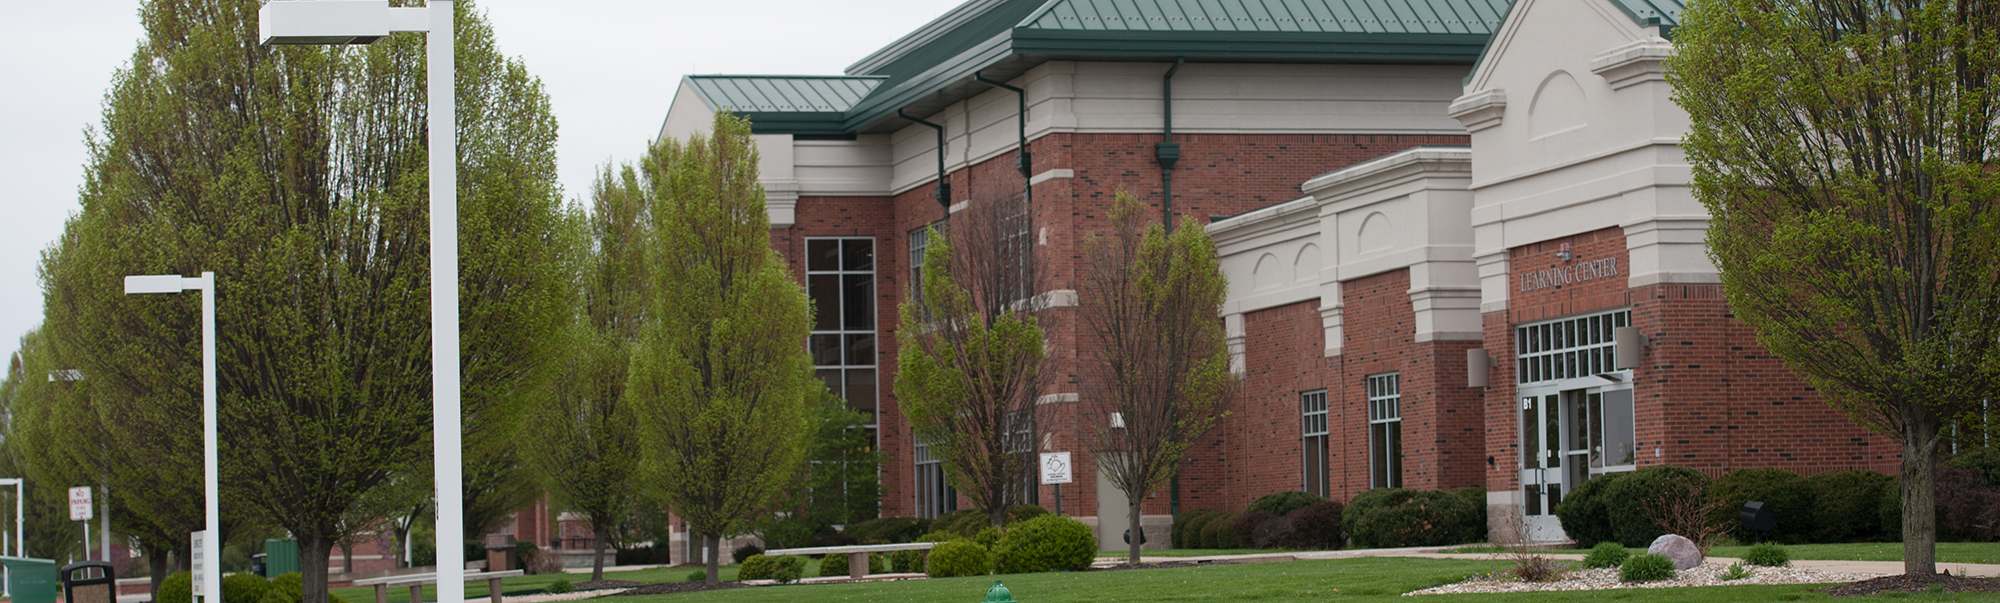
x=1542, y=456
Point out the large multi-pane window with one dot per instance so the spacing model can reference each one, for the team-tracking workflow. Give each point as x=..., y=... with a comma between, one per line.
x=1569, y=348
x=1385, y=431
x=840, y=279
x=935, y=495
x=1312, y=411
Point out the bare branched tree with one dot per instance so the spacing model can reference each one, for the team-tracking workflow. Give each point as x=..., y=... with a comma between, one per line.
x=972, y=348
x=1158, y=375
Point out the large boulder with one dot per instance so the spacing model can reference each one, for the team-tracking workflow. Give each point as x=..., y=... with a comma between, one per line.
x=1682, y=551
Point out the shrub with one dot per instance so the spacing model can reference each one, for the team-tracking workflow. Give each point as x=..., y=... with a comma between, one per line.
x=520, y=556
x=1244, y=527
x=1584, y=516
x=1396, y=517
x=1217, y=535
x=286, y=588
x=562, y=585
x=1046, y=543
x=1966, y=509
x=698, y=576
x=1629, y=499
x=963, y=522
x=756, y=567
x=544, y=562
x=938, y=536
x=1020, y=513
x=745, y=552
x=1983, y=461
x=837, y=565
x=1889, y=512
x=1846, y=505
x=244, y=588
x=960, y=557
x=788, y=569
x=643, y=555
x=889, y=530
x=1316, y=526
x=1768, y=554
x=1606, y=554
x=1646, y=568
x=905, y=562
x=1191, y=535
x=1280, y=503
x=1178, y=533
x=177, y=587
x=1536, y=568
x=1272, y=533
x=1477, y=496
x=1785, y=493
x=988, y=537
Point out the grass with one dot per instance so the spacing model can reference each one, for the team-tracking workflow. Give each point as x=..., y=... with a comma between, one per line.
x=1191, y=553
x=1356, y=580
x=1947, y=552
x=528, y=585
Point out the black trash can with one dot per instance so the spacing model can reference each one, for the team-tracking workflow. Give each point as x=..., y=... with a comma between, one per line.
x=89, y=582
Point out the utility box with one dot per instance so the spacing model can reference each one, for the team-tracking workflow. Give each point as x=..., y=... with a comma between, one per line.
x=34, y=580
x=280, y=557
x=89, y=582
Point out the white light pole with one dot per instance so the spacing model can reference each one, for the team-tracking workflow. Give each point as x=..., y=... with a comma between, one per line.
x=20, y=537
x=364, y=22
x=211, y=544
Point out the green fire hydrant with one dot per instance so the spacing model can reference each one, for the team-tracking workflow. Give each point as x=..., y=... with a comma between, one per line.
x=999, y=594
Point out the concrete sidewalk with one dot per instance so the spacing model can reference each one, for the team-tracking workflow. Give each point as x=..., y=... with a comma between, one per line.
x=1880, y=568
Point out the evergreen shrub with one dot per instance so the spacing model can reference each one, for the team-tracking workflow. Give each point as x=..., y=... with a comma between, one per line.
x=1217, y=534
x=1477, y=496
x=1397, y=517
x=1191, y=532
x=961, y=557
x=1787, y=495
x=177, y=587
x=789, y=568
x=889, y=530
x=907, y=562
x=1584, y=516
x=244, y=588
x=1966, y=506
x=1244, y=527
x=745, y=552
x=1628, y=499
x=756, y=567
x=1046, y=543
x=1316, y=527
x=1847, y=506
x=1280, y=503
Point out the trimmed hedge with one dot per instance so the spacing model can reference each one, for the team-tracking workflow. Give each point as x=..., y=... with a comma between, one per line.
x=837, y=565
x=1046, y=543
x=244, y=588
x=1628, y=498
x=1282, y=503
x=960, y=557
x=286, y=588
x=1786, y=494
x=177, y=587
x=1316, y=526
x=1244, y=527
x=1846, y=506
x=1217, y=534
x=907, y=562
x=756, y=567
x=1398, y=517
x=889, y=530
x=1584, y=516
x=1477, y=496
x=1183, y=524
x=1890, y=510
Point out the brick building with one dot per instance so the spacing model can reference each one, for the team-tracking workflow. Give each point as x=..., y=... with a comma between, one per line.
x=1418, y=269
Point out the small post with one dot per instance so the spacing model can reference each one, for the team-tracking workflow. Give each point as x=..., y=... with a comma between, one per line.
x=417, y=590
x=493, y=589
x=857, y=565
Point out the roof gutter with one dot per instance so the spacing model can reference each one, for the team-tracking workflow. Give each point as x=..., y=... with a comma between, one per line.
x=943, y=185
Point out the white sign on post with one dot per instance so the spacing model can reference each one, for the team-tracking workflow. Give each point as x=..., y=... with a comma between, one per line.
x=196, y=563
x=1055, y=468
x=79, y=504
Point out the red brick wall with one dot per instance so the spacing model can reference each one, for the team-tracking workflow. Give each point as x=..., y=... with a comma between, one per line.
x=1442, y=443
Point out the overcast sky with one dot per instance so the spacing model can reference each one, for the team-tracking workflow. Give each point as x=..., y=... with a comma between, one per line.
x=610, y=67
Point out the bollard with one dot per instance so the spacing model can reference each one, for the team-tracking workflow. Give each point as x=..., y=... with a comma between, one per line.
x=999, y=594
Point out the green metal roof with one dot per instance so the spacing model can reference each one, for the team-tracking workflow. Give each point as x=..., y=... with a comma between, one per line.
x=1666, y=13
x=1271, y=16
x=934, y=66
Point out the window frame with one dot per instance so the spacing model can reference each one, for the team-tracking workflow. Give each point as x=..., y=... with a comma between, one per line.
x=1314, y=432
x=1384, y=395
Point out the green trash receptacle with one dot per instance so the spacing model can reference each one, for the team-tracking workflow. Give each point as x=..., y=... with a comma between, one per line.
x=280, y=557
x=32, y=580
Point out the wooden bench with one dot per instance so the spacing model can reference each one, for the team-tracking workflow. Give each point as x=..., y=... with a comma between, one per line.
x=417, y=582
x=857, y=555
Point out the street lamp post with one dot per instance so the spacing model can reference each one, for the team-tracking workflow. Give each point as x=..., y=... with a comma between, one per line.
x=20, y=537
x=364, y=22
x=211, y=542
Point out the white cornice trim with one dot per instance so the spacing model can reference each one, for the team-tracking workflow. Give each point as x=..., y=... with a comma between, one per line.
x=1641, y=61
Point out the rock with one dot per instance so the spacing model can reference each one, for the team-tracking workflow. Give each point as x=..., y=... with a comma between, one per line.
x=1678, y=548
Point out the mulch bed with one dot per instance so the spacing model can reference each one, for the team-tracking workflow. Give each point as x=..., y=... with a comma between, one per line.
x=1916, y=583
x=1142, y=566
x=681, y=587
x=597, y=584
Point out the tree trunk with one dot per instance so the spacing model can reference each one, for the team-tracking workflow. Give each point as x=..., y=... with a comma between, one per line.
x=314, y=552
x=156, y=563
x=183, y=556
x=1920, y=437
x=597, y=561
x=402, y=536
x=1135, y=532
x=714, y=544
x=998, y=516
x=347, y=557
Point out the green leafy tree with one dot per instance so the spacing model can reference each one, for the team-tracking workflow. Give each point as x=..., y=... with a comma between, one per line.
x=1845, y=151
x=972, y=353
x=1150, y=308
x=842, y=477
x=587, y=446
x=298, y=175
x=720, y=378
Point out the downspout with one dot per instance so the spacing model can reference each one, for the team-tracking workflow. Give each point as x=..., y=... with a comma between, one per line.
x=1167, y=153
x=1023, y=162
x=943, y=185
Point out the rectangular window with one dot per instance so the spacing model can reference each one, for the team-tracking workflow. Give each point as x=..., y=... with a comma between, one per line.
x=1312, y=410
x=935, y=495
x=840, y=280
x=1385, y=431
x=1568, y=348
x=1020, y=429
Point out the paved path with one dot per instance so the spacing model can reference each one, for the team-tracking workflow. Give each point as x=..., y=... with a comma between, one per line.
x=1437, y=552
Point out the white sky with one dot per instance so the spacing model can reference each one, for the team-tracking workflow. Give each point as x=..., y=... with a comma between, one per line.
x=610, y=67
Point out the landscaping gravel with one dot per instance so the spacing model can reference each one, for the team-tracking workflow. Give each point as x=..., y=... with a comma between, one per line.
x=680, y=587
x=1707, y=574
x=1907, y=583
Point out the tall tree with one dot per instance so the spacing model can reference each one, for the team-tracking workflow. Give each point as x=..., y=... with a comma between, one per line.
x=587, y=446
x=1845, y=150
x=971, y=365
x=297, y=175
x=721, y=377
x=1158, y=377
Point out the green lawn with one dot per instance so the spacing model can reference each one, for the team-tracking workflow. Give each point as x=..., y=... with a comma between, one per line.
x=528, y=585
x=1191, y=553
x=1366, y=579
x=1947, y=552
